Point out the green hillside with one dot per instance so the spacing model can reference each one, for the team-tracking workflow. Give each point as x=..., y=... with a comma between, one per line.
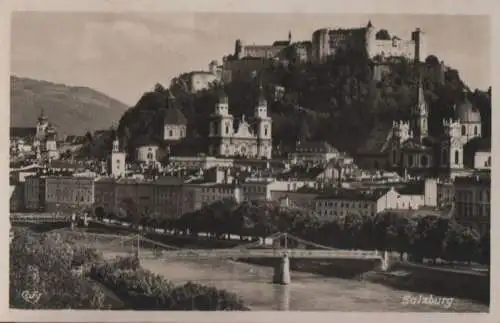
x=72, y=110
x=339, y=101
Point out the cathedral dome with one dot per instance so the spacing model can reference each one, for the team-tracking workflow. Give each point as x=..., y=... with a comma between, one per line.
x=467, y=113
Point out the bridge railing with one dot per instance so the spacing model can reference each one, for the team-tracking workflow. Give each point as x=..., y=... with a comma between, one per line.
x=264, y=253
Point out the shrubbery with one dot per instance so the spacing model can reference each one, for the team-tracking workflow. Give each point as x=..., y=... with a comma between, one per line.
x=45, y=263
x=143, y=290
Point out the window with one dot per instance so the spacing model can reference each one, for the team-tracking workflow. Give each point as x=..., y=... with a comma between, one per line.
x=475, y=130
x=424, y=161
x=457, y=157
x=170, y=133
x=464, y=130
x=265, y=131
x=489, y=161
x=410, y=160
x=227, y=129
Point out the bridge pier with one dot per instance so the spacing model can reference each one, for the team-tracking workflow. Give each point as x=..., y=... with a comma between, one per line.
x=282, y=272
x=385, y=262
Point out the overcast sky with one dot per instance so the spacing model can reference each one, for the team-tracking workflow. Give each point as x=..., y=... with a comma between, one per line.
x=124, y=55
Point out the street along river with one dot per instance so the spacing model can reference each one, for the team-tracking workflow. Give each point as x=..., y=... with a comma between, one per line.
x=307, y=291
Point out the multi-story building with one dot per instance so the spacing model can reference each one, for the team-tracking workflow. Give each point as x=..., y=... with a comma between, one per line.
x=69, y=194
x=199, y=162
x=341, y=202
x=200, y=194
x=327, y=42
x=261, y=51
x=344, y=202
x=159, y=198
x=34, y=193
x=315, y=152
x=472, y=202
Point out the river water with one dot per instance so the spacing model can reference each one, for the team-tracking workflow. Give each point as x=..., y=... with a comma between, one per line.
x=307, y=292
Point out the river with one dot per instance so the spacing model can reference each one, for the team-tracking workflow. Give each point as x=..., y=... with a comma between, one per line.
x=307, y=292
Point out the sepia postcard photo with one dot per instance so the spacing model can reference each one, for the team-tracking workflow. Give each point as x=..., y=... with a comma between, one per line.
x=250, y=161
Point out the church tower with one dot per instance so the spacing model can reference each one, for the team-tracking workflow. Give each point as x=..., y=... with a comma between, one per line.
x=117, y=163
x=421, y=115
x=221, y=126
x=264, y=131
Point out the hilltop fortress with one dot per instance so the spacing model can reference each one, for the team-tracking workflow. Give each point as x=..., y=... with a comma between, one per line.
x=326, y=42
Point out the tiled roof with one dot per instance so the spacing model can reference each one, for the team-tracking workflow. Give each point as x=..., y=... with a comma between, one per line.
x=174, y=116
x=302, y=172
x=168, y=180
x=474, y=180
x=354, y=195
x=315, y=146
x=415, y=188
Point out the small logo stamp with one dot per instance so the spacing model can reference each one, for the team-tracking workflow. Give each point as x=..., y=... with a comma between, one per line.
x=31, y=296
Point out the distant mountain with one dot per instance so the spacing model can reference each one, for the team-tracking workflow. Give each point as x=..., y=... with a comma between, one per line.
x=73, y=110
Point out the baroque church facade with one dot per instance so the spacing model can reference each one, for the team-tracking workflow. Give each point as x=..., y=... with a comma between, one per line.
x=412, y=148
x=250, y=139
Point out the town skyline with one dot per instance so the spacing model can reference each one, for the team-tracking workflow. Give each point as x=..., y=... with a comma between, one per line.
x=123, y=55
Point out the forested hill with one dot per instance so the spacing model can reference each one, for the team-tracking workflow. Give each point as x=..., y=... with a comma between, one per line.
x=339, y=101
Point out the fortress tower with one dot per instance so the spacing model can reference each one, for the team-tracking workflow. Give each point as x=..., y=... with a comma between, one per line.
x=418, y=38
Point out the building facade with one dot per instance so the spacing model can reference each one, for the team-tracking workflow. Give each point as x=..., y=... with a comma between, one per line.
x=69, y=194
x=250, y=140
x=117, y=162
x=147, y=154
x=34, y=193
x=472, y=202
x=327, y=42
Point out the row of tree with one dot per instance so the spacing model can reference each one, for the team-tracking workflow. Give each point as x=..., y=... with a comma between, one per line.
x=421, y=237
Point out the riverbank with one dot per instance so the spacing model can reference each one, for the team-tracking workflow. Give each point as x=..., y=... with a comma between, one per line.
x=404, y=277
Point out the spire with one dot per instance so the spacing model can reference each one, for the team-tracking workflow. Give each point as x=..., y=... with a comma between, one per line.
x=262, y=97
x=369, y=25
x=421, y=97
x=42, y=116
x=289, y=36
x=171, y=100
x=221, y=94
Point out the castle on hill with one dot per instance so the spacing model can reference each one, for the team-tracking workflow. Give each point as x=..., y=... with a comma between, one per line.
x=326, y=42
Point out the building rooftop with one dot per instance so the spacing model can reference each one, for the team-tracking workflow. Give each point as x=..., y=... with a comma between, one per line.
x=480, y=180
x=174, y=116
x=301, y=172
x=413, y=188
x=354, y=195
x=315, y=146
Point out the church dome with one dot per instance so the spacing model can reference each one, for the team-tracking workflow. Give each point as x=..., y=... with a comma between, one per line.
x=467, y=113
